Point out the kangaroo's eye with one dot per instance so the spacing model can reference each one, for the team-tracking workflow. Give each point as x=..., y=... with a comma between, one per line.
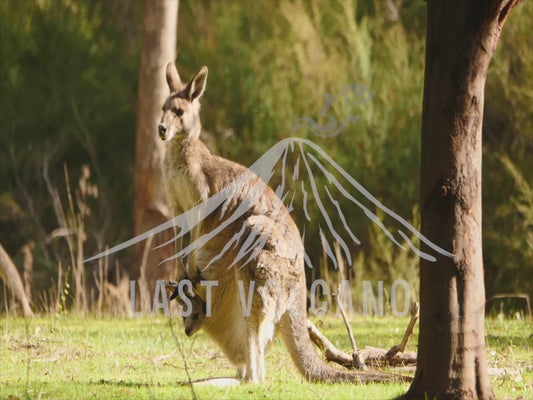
x=178, y=111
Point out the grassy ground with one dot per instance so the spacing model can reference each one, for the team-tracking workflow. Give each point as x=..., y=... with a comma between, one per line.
x=74, y=358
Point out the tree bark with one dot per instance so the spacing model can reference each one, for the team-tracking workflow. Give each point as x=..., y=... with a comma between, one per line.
x=151, y=207
x=461, y=39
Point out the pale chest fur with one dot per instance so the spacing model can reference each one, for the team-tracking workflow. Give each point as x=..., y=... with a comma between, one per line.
x=186, y=183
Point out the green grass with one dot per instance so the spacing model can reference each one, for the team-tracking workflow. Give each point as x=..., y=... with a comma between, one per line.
x=74, y=358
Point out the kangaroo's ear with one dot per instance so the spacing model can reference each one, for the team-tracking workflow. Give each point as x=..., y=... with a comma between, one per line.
x=196, y=86
x=173, y=78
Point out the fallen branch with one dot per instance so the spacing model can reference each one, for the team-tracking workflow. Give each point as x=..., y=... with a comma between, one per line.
x=331, y=353
x=377, y=356
x=369, y=355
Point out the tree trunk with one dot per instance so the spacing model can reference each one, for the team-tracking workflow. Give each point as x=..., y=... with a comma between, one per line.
x=151, y=208
x=461, y=39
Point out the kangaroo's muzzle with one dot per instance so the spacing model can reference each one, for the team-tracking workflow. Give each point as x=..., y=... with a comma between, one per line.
x=162, y=128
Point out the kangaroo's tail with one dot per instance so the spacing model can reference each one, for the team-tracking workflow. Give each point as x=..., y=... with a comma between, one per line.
x=308, y=361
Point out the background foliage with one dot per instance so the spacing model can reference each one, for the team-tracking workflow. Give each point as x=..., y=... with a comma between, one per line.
x=68, y=78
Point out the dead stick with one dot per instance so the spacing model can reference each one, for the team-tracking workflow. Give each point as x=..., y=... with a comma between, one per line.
x=345, y=318
x=407, y=335
x=357, y=361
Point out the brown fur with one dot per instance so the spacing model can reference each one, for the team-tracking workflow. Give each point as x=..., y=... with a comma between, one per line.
x=193, y=174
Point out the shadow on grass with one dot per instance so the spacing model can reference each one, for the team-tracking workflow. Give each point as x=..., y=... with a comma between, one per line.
x=131, y=384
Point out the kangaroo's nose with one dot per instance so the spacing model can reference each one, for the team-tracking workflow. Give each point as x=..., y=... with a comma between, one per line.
x=162, y=130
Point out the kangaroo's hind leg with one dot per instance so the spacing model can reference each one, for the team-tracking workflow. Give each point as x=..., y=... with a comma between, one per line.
x=260, y=325
x=257, y=327
x=264, y=276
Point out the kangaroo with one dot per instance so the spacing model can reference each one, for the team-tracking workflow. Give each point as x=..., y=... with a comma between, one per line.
x=196, y=312
x=194, y=321
x=274, y=278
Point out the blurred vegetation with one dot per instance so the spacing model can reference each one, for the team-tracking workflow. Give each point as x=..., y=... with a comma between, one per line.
x=68, y=79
